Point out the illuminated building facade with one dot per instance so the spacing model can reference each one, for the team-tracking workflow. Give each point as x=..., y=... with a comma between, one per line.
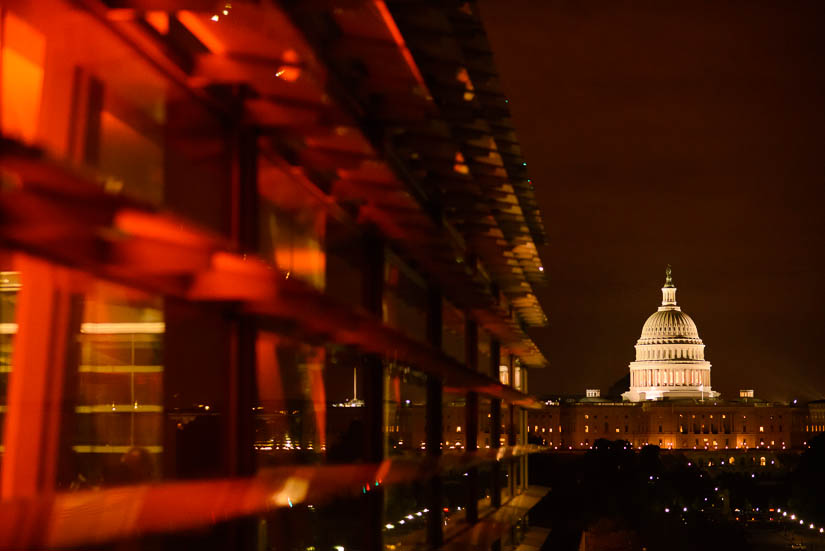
x=670, y=356
x=678, y=424
x=267, y=273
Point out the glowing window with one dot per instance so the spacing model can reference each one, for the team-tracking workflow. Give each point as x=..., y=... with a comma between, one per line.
x=504, y=374
x=587, y=428
x=761, y=429
x=762, y=461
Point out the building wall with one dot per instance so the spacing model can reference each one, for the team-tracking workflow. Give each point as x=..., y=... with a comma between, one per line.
x=675, y=426
x=199, y=209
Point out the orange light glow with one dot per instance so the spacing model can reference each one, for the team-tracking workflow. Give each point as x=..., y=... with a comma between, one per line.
x=399, y=40
x=315, y=368
x=24, y=50
x=460, y=165
x=159, y=20
x=270, y=388
x=200, y=28
x=300, y=261
x=290, y=70
x=147, y=225
x=288, y=73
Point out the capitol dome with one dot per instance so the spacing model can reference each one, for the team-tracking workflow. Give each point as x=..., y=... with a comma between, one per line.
x=670, y=356
x=669, y=324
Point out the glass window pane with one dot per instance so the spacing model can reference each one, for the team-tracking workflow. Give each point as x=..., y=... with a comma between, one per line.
x=453, y=332
x=291, y=412
x=405, y=298
x=484, y=351
x=118, y=402
x=406, y=407
x=292, y=225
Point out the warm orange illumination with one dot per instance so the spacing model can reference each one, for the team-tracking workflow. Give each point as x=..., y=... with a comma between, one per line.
x=147, y=225
x=459, y=165
x=464, y=77
x=23, y=54
x=159, y=20
x=300, y=261
x=399, y=40
x=289, y=71
x=202, y=32
x=315, y=371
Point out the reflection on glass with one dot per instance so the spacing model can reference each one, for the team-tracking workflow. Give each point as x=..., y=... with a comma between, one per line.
x=293, y=225
x=335, y=525
x=405, y=298
x=453, y=331
x=454, y=423
x=9, y=286
x=291, y=413
x=21, y=77
x=456, y=486
x=405, y=516
x=484, y=351
x=131, y=159
x=406, y=406
x=118, y=398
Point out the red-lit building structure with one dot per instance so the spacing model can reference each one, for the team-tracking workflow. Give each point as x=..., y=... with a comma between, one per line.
x=247, y=251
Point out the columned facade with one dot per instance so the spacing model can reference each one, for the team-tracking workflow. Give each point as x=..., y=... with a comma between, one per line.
x=670, y=356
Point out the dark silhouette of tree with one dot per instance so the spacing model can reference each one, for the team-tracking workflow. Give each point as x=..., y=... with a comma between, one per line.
x=808, y=481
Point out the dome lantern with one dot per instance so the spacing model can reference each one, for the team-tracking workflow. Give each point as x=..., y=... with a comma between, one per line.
x=669, y=290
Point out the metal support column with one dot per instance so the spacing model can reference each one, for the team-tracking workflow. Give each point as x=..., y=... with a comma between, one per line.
x=512, y=416
x=471, y=422
x=44, y=358
x=495, y=425
x=434, y=422
x=374, y=396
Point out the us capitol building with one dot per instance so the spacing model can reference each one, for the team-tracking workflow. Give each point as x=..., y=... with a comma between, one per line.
x=670, y=356
x=670, y=403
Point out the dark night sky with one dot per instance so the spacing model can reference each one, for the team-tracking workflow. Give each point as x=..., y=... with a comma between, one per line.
x=689, y=133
